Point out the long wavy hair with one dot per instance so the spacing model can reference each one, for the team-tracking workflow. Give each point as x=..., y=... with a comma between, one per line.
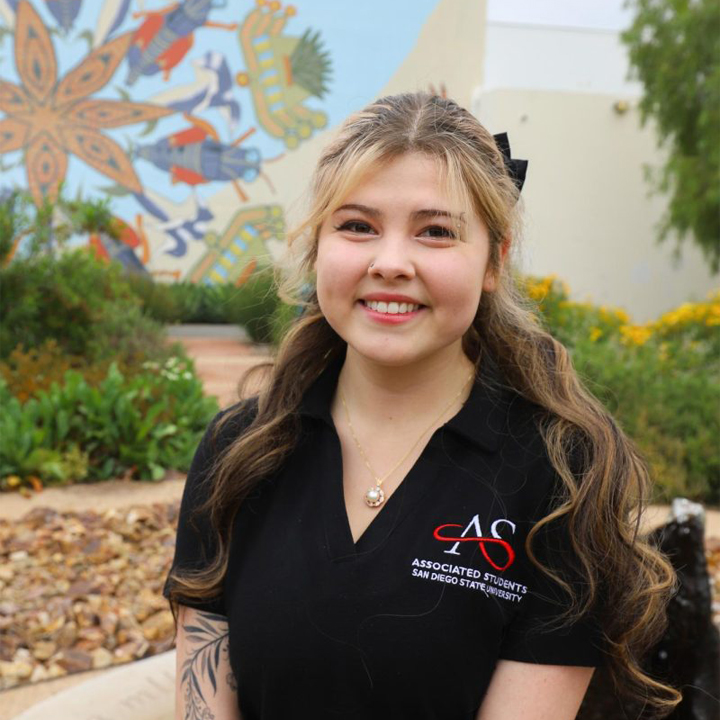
x=602, y=498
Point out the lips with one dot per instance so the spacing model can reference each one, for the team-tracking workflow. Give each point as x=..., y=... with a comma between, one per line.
x=389, y=315
x=391, y=308
x=391, y=297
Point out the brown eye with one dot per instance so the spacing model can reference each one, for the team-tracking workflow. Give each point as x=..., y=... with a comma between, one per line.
x=438, y=231
x=355, y=226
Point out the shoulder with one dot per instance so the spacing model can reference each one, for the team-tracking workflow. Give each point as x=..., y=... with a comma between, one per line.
x=229, y=424
x=222, y=430
x=529, y=448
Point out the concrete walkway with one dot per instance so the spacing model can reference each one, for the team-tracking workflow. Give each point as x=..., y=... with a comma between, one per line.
x=142, y=690
x=221, y=356
x=220, y=360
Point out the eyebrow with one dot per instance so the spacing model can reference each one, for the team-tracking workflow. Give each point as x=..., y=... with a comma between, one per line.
x=415, y=215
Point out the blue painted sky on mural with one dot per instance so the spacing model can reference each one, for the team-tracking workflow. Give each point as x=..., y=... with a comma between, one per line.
x=366, y=43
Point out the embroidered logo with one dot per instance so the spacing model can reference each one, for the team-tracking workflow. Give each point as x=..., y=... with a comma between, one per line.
x=494, y=540
x=497, y=551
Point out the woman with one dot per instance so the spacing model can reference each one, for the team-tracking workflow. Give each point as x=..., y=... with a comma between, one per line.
x=423, y=514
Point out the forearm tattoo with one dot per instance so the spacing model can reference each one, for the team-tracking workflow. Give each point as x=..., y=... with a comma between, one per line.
x=207, y=641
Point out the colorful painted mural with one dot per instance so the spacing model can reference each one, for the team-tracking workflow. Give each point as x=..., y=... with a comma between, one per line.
x=193, y=116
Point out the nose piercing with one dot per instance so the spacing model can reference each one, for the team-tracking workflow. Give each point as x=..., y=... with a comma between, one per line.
x=371, y=265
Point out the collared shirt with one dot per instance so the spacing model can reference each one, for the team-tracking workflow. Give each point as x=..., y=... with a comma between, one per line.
x=410, y=620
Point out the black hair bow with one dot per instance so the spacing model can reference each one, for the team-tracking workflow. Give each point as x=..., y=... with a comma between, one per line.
x=517, y=169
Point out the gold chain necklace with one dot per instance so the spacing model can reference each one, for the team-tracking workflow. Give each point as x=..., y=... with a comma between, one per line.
x=374, y=497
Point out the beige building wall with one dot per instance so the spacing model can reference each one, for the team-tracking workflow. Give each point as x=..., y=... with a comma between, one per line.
x=589, y=219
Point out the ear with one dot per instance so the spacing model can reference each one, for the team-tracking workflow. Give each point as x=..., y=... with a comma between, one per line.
x=490, y=280
x=504, y=247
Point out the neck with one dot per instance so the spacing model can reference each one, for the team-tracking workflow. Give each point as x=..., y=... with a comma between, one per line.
x=381, y=393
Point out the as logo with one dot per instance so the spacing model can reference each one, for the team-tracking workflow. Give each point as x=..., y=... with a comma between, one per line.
x=499, y=549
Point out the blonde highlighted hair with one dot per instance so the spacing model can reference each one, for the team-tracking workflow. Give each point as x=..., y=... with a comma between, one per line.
x=602, y=497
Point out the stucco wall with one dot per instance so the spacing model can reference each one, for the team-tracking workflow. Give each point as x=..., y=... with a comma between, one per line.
x=588, y=215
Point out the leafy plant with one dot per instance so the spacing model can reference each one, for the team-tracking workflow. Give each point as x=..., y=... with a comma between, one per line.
x=83, y=304
x=674, y=51
x=660, y=379
x=27, y=372
x=47, y=227
x=253, y=305
x=139, y=426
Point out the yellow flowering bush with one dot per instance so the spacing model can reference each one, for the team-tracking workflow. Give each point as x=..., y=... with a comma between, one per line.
x=660, y=379
x=572, y=321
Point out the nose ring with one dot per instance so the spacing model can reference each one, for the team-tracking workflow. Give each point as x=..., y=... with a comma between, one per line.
x=371, y=265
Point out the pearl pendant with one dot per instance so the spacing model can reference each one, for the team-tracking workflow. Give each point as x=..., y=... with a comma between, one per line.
x=374, y=496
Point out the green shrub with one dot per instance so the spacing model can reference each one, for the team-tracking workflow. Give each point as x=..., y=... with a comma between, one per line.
x=282, y=319
x=183, y=302
x=661, y=380
x=668, y=404
x=254, y=305
x=47, y=228
x=74, y=432
x=123, y=331
x=59, y=297
x=85, y=305
x=159, y=301
x=27, y=372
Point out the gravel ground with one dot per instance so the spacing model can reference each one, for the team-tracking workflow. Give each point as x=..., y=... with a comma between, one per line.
x=82, y=590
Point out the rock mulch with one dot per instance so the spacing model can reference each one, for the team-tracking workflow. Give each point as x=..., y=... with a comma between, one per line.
x=83, y=590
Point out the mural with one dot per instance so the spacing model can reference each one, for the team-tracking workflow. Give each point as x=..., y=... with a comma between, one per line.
x=187, y=114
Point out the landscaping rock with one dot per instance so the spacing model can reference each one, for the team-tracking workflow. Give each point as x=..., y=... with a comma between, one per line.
x=83, y=590
x=73, y=660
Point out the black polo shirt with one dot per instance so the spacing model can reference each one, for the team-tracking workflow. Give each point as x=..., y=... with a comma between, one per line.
x=410, y=621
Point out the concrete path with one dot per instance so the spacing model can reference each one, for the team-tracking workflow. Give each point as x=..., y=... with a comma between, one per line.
x=142, y=690
x=221, y=362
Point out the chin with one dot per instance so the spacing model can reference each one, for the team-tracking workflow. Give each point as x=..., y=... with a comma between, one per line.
x=387, y=357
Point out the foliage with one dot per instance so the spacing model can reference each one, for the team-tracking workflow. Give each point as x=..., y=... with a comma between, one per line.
x=135, y=426
x=122, y=331
x=82, y=303
x=27, y=372
x=253, y=305
x=49, y=226
x=181, y=302
x=89, y=389
x=281, y=320
x=12, y=219
x=661, y=380
x=674, y=49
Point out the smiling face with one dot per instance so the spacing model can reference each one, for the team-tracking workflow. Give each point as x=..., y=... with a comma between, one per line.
x=399, y=220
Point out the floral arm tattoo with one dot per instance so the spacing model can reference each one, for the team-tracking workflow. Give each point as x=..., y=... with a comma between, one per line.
x=206, y=636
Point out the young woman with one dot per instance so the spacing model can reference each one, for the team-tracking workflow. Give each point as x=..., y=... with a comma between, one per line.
x=423, y=514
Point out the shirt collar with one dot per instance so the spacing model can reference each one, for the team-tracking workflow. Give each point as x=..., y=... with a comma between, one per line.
x=482, y=419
